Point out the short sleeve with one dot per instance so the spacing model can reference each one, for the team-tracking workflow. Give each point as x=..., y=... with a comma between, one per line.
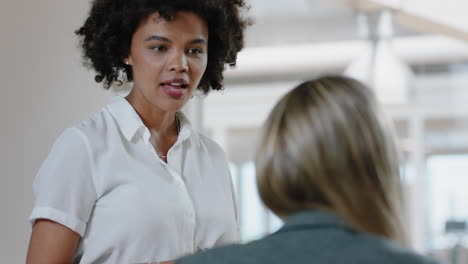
x=64, y=188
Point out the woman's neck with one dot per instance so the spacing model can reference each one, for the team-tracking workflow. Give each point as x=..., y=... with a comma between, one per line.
x=155, y=119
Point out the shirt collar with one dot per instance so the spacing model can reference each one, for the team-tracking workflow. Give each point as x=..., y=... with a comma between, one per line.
x=186, y=130
x=311, y=219
x=130, y=122
x=126, y=117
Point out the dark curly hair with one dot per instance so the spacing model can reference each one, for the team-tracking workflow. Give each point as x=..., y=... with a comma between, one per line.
x=107, y=33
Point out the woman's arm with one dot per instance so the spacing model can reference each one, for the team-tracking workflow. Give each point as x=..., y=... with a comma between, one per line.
x=51, y=243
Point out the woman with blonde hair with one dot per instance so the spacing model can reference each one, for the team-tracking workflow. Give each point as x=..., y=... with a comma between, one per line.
x=327, y=165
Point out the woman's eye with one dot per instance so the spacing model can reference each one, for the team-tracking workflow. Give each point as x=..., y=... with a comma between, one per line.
x=159, y=48
x=195, y=51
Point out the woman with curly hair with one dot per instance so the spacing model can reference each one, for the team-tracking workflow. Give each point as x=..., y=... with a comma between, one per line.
x=135, y=182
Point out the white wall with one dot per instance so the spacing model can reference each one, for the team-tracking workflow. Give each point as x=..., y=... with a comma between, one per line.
x=44, y=89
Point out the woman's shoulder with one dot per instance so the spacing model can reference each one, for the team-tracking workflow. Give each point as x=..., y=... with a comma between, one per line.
x=88, y=132
x=208, y=142
x=95, y=124
x=210, y=145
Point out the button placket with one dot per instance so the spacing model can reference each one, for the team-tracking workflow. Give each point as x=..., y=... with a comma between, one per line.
x=174, y=168
x=191, y=215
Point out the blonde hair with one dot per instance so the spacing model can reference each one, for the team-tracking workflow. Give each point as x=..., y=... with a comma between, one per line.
x=325, y=145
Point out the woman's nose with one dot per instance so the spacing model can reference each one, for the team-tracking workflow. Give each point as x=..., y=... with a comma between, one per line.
x=178, y=62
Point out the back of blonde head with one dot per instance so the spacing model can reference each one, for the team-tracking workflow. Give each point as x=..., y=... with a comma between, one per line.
x=325, y=145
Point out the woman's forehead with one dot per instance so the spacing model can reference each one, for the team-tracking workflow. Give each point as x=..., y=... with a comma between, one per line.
x=183, y=23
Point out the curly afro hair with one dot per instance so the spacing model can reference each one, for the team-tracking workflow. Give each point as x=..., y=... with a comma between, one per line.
x=106, y=35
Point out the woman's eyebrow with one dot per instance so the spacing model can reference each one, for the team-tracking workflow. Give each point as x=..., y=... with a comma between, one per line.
x=161, y=38
x=156, y=37
x=198, y=41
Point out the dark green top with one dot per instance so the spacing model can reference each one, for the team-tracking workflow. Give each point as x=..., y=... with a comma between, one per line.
x=311, y=237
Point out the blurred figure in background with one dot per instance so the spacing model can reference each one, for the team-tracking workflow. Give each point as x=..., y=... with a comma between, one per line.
x=327, y=165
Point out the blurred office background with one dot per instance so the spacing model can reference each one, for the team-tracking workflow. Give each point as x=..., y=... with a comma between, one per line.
x=414, y=52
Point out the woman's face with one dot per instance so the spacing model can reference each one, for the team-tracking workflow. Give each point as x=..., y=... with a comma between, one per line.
x=168, y=60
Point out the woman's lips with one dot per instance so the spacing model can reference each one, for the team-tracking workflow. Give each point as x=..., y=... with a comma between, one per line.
x=174, y=90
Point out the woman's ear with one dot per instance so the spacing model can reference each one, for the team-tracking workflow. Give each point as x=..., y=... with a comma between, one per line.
x=127, y=60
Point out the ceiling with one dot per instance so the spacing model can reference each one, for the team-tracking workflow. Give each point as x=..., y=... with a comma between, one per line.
x=304, y=21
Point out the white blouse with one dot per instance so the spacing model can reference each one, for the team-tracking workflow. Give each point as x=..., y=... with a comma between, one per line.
x=104, y=180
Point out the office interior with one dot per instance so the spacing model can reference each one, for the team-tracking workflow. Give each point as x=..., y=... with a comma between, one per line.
x=414, y=53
